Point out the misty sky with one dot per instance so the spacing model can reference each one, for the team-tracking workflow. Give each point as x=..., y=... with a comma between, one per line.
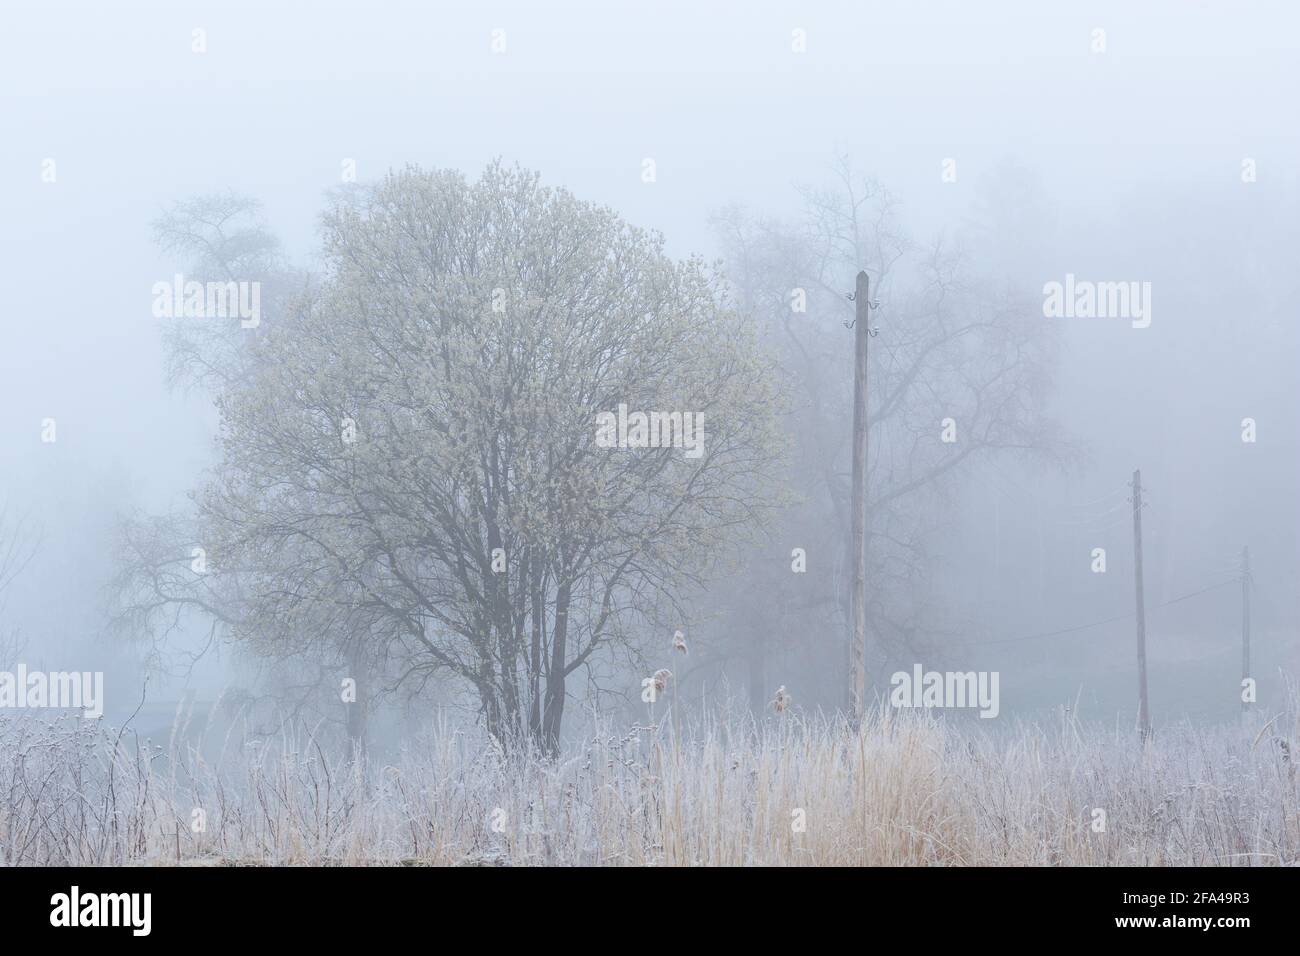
x=1135, y=155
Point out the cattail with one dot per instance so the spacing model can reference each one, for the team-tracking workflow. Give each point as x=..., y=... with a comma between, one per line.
x=679, y=642
x=660, y=678
x=782, y=700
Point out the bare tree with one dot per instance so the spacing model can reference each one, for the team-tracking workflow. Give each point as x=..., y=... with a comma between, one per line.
x=161, y=585
x=952, y=346
x=18, y=546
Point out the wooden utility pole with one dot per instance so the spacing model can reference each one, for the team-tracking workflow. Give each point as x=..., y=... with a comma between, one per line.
x=1144, y=712
x=858, y=637
x=1245, y=626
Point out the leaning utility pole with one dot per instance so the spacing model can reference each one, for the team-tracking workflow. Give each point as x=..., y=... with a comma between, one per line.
x=1245, y=626
x=858, y=637
x=1144, y=712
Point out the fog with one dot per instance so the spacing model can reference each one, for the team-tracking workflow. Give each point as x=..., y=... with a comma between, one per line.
x=1168, y=157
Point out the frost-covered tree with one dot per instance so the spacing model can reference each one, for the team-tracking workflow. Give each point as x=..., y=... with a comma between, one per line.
x=411, y=451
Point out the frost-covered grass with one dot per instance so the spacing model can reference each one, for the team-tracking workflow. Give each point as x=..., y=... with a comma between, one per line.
x=902, y=791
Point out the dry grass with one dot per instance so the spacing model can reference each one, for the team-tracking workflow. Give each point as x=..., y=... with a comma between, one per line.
x=904, y=790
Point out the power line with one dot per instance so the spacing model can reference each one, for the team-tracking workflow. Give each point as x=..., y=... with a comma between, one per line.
x=1044, y=505
x=1110, y=517
x=1209, y=587
x=1119, y=489
x=1090, y=624
x=1031, y=637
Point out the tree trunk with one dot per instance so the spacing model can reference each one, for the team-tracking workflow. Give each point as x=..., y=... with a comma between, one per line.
x=356, y=710
x=535, y=660
x=555, y=673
